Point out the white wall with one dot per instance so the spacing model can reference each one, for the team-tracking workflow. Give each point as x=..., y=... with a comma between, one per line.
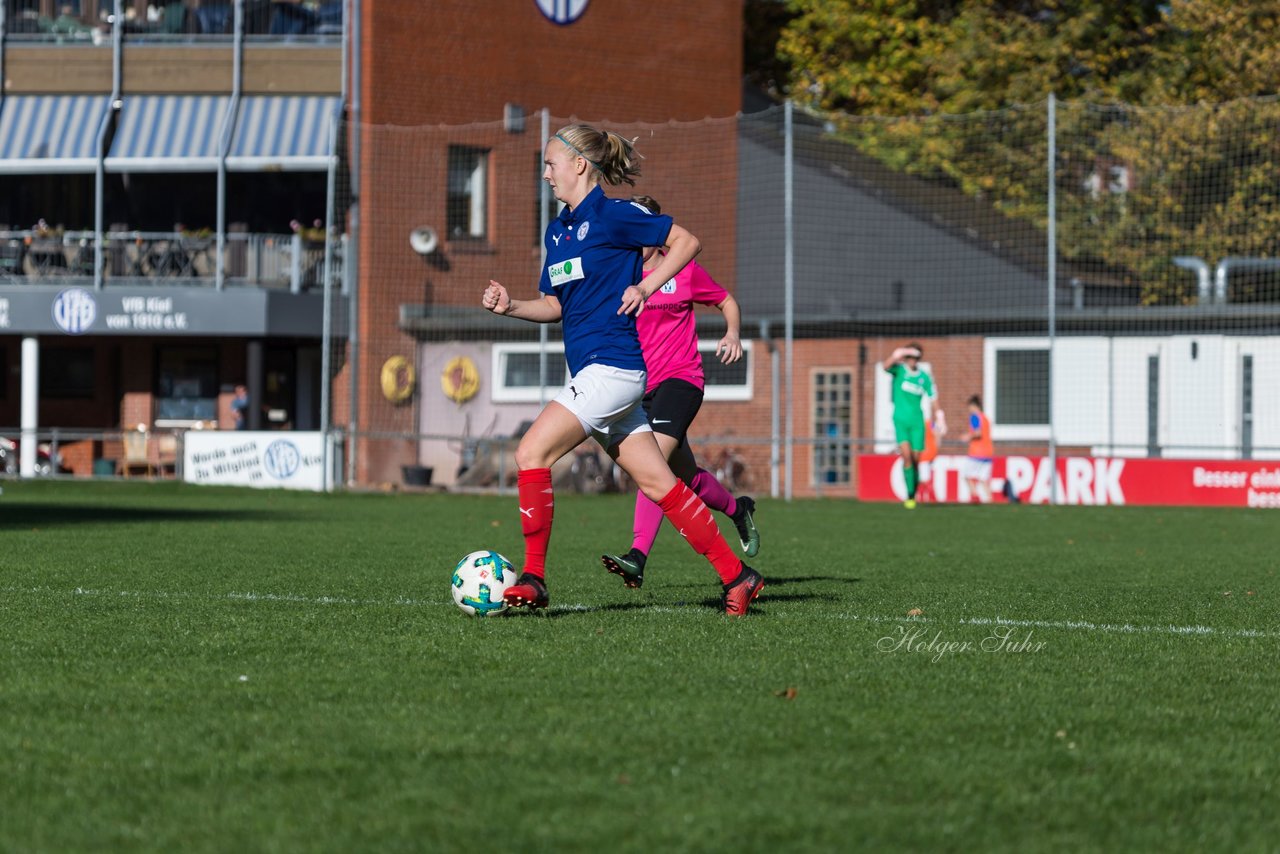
x=1100, y=393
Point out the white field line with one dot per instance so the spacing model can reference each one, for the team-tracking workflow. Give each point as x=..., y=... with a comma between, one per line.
x=291, y=598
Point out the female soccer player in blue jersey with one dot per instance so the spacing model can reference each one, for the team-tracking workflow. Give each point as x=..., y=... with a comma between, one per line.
x=594, y=283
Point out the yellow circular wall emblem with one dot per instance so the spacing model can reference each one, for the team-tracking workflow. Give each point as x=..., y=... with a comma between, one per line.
x=460, y=379
x=397, y=379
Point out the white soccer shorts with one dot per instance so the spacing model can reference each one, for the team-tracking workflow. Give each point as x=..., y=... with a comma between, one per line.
x=606, y=401
x=979, y=470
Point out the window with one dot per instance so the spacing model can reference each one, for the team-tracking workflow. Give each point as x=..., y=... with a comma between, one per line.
x=726, y=382
x=67, y=373
x=831, y=422
x=516, y=369
x=186, y=385
x=1016, y=387
x=1022, y=387
x=467, y=214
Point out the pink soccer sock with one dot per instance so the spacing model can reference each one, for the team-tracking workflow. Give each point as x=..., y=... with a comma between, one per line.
x=713, y=493
x=648, y=520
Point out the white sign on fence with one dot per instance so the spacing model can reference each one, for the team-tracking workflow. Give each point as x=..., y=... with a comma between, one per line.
x=269, y=460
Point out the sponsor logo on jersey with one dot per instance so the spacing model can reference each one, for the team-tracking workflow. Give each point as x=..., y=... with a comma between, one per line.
x=565, y=272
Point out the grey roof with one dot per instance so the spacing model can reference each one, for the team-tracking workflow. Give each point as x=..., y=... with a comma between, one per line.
x=869, y=239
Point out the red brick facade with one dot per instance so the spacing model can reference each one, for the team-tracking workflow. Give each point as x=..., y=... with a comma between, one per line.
x=443, y=75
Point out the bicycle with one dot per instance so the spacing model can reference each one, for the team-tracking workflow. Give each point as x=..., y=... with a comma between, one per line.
x=730, y=468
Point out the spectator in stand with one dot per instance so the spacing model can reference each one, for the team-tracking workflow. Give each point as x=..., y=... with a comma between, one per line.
x=977, y=466
x=240, y=408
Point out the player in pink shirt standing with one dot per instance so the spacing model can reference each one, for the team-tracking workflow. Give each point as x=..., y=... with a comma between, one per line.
x=673, y=395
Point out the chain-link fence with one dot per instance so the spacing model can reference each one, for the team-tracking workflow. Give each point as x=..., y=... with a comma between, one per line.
x=1103, y=278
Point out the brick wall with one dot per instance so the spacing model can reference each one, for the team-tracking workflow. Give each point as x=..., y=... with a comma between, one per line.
x=456, y=62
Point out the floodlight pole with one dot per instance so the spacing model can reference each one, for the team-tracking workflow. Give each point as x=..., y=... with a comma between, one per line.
x=1053, y=286
x=544, y=198
x=789, y=285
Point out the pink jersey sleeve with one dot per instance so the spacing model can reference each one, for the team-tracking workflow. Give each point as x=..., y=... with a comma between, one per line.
x=704, y=289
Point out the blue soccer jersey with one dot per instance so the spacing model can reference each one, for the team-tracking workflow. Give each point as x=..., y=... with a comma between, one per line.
x=593, y=255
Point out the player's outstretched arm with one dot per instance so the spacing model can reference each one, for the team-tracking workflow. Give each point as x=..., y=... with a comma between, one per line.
x=544, y=310
x=681, y=247
x=730, y=347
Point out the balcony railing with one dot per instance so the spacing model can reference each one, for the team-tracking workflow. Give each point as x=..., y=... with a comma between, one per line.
x=284, y=261
x=90, y=21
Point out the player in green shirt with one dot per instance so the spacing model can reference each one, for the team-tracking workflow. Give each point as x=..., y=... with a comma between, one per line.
x=913, y=396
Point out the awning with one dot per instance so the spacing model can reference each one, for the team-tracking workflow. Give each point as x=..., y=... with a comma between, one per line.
x=286, y=132
x=169, y=133
x=41, y=134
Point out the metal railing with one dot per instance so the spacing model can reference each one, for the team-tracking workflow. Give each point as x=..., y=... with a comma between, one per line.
x=91, y=22
x=142, y=257
x=68, y=453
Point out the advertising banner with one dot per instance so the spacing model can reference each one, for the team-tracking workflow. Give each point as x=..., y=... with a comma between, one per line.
x=268, y=460
x=1086, y=480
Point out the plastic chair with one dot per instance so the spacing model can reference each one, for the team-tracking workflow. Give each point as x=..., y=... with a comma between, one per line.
x=174, y=21
x=12, y=251
x=215, y=18
x=136, y=452
x=166, y=453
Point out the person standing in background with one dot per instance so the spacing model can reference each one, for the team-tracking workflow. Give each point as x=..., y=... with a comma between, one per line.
x=934, y=430
x=977, y=466
x=240, y=408
x=913, y=397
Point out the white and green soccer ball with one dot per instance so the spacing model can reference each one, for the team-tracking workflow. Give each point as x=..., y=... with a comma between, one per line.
x=479, y=580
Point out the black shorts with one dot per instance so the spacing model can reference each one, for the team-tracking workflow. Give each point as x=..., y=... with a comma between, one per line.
x=672, y=406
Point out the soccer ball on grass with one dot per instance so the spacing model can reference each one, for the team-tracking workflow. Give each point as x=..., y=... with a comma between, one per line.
x=479, y=580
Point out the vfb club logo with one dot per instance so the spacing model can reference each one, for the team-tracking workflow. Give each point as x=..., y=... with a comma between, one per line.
x=562, y=11
x=74, y=311
x=281, y=459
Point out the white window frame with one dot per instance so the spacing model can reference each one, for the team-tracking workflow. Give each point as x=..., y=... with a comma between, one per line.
x=476, y=186
x=742, y=391
x=846, y=469
x=503, y=393
x=1003, y=432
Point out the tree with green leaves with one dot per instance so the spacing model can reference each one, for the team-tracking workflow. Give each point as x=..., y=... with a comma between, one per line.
x=956, y=90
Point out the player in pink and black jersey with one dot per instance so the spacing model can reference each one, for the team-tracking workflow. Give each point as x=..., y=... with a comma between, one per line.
x=673, y=395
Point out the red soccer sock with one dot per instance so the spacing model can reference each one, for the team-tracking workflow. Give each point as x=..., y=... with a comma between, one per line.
x=695, y=523
x=537, y=508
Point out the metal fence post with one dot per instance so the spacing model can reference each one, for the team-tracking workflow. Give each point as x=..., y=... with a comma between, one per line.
x=1053, y=284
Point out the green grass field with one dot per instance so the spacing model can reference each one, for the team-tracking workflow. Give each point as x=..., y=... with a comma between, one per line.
x=205, y=669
